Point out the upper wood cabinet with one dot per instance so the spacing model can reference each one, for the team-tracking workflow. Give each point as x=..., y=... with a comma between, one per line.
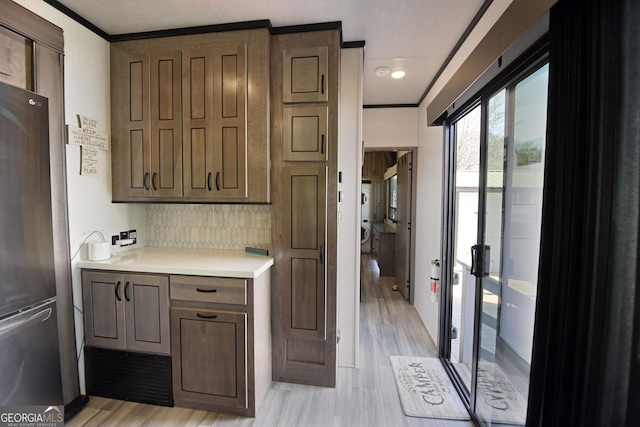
x=181, y=107
x=305, y=74
x=147, y=143
x=215, y=144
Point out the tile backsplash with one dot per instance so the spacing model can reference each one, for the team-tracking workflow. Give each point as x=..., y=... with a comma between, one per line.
x=209, y=226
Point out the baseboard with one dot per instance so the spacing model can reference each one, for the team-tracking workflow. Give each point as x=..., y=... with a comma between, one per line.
x=72, y=408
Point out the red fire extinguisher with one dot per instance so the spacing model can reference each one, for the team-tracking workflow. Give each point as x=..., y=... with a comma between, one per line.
x=435, y=278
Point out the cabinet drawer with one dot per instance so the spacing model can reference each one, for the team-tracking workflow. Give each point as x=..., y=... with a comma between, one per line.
x=209, y=289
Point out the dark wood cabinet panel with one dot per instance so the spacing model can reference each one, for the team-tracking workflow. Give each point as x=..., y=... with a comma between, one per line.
x=147, y=312
x=126, y=311
x=104, y=323
x=306, y=203
x=210, y=363
x=403, y=226
x=221, y=342
x=146, y=140
x=215, y=140
x=166, y=124
x=305, y=133
x=305, y=74
x=180, y=108
x=304, y=87
x=383, y=246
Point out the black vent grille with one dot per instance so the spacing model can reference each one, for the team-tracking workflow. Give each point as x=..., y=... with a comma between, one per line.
x=137, y=377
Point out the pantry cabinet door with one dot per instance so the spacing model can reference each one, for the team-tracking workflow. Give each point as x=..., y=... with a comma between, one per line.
x=305, y=74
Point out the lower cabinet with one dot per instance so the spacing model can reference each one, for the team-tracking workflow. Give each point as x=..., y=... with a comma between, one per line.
x=383, y=246
x=125, y=311
x=209, y=357
x=219, y=358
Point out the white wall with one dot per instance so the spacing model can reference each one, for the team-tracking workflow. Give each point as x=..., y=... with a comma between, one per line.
x=390, y=127
x=87, y=91
x=350, y=155
x=428, y=221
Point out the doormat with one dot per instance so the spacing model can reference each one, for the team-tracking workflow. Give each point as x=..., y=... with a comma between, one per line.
x=498, y=399
x=425, y=389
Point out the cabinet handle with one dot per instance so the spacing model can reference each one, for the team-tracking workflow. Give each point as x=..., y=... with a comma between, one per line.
x=218, y=181
x=126, y=291
x=207, y=316
x=322, y=144
x=322, y=84
x=322, y=255
x=145, y=181
x=153, y=181
x=206, y=290
x=209, y=181
x=118, y=297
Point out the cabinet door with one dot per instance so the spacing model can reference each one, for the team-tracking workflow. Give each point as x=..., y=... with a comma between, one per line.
x=215, y=144
x=166, y=124
x=104, y=314
x=209, y=356
x=302, y=290
x=131, y=130
x=230, y=101
x=305, y=133
x=305, y=74
x=146, y=300
x=197, y=122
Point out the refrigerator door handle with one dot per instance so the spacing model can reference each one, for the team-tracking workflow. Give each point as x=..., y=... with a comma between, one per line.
x=20, y=322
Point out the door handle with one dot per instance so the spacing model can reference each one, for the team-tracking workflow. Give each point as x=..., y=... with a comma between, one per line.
x=145, y=181
x=118, y=297
x=126, y=291
x=322, y=255
x=153, y=181
x=209, y=181
x=480, y=260
x=322, y=144
x=207, y=316
x=218, y=181
x=322, y=84
x=12, y=326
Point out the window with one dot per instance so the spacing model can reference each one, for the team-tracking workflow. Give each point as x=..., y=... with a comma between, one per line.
x=392, y=197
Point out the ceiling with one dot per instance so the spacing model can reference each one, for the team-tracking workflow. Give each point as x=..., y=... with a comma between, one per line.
x=415, y=36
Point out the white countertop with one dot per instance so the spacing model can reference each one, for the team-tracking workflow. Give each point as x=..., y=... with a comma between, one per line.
x=196, y=262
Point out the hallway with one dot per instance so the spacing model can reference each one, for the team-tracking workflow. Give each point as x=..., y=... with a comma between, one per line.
x=364, y=397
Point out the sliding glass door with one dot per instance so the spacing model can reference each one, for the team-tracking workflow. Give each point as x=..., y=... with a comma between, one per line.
x=497, y=163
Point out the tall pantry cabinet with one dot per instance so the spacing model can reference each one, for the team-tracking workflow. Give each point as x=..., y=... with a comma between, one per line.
x=304, y=144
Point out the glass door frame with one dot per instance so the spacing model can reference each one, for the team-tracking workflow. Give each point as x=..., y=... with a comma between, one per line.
x=536, y=57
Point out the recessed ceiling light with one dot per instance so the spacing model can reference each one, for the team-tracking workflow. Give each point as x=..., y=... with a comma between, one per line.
x=397, y=74
x=382, y=71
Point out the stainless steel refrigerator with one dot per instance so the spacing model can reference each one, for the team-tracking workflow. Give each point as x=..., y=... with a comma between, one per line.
x=29, y=352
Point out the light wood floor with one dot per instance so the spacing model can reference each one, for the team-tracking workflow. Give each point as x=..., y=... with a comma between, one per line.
x=365, y=397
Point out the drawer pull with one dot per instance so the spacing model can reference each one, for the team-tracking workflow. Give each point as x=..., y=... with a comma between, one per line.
x=206, y=290
x=207, y=316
